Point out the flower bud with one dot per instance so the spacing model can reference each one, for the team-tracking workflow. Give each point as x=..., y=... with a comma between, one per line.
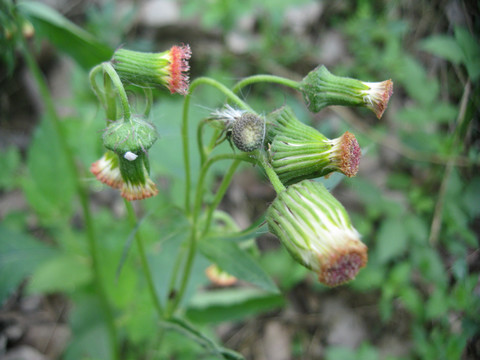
x=168, y=68
x=136, y=185
x=317, y=232
x=220, y=277
x=129, y=136
x=106, y=170
x=320, y=88
x=298, y=151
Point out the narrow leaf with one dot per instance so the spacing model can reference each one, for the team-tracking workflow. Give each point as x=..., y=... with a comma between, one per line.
x=189, y=331
x=235, y=261
x=443, y=46
x=83, y=47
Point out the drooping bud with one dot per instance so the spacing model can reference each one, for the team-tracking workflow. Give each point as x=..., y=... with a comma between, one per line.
x=137, y=184
x=128, y=142
x=219, y=277
x=106, y=170
x=169, y=68
x=317, y=232
x=298, y=151
x=129, y=136
x=321, y=88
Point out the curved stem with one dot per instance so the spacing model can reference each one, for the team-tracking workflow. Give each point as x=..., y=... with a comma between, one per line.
x=184, y=129
x=192, y=245
x=201, y=149
x=108, y=68
x=82, y=194
x=266, y=78
x=149, y=100
x=272, y=176
x=93, y=84
x=143, y=259
x=222, y=189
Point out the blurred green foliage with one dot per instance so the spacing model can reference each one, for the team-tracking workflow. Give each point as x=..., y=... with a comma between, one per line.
x=412, y=270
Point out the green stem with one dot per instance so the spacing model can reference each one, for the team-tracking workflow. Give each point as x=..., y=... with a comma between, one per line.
x=184, y=130
x=265, y=78
x=108, y=68
x=149, y=100
x=222, y=189
x=82, y=194
x=272, y=176
x=192, y=245
x=143, y=259
x=96, y=89
x=201, y=149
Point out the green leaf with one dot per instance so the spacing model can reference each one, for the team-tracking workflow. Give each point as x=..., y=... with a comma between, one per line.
x=443, y=46
x=9, y=163
x=471, y=50
x=64, y=273
x=391, y=240
x=235, y=261
x=189, y=331
x=231, y=304
x=20, y=256
x=84, y=48
x=49, y=188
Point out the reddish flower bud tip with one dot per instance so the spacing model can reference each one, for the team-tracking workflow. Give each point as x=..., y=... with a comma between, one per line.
x=343, y=267
x=350, y=154
x=377, y=96
x=179, y=66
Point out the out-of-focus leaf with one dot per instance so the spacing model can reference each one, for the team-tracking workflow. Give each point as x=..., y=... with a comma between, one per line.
x=9, y=163
x=49, y=186
x=443, y=46
x=231, y=304
x=391, y=240
x=471, y=50
x=64, y=273
x=20, y=256
x=235, y=261
x=188, y=330
x=68, y=37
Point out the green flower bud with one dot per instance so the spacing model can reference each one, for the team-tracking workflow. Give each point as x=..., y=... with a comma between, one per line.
x=317, y=232
x=168, y=68
x=135, y=136
x=320, y=88
x=298, y=151
x=137, y=184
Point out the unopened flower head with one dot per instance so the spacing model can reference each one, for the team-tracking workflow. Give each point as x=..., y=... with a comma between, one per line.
x=317, y=232
x=247, y=130
x=220, y=277
x=137, y=184
x=298, y=151
x=106, y=170
x=127, y=138
x=321, y=88
x=169, y=68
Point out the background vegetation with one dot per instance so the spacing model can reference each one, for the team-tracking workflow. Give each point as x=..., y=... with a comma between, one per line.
x=415, y=200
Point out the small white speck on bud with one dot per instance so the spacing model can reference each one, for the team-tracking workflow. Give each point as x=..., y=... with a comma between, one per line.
x=130, y=156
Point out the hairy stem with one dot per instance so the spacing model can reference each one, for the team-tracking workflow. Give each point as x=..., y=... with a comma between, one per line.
x=132, y=217
x=82, y=194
